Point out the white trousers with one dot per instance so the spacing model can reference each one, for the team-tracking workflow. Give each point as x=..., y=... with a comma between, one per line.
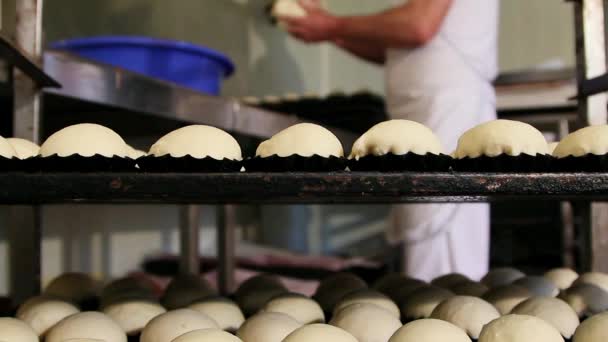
x=444, y=238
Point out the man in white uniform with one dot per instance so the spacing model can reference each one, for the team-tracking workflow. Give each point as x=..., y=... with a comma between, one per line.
x=440, y=58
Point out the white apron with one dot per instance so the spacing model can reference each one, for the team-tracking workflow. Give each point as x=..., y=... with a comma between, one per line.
x=446, y=85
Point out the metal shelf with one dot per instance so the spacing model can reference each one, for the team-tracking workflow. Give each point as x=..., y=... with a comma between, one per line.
x=20, y=188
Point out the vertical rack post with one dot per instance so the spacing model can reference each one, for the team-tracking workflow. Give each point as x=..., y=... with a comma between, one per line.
x=189, y=220
x=226, y=225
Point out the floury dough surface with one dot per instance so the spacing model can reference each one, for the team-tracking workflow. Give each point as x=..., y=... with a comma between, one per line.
x=430, y=330
x=519, y=328
x=304, y=140
x=198, y=141
x=24, y=148
x=85, y=140
x=588, y=140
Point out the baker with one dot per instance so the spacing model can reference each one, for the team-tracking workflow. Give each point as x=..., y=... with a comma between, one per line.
x=440, y=58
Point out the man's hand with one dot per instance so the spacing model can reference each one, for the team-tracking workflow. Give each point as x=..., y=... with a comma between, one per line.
x=318, y=26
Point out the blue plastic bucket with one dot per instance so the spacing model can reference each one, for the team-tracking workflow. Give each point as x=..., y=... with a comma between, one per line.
x=183, y=63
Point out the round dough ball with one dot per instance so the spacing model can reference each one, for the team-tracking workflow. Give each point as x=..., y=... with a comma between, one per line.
x=501, y=277
x=6, y=149
x=320, y=332
x=430, y=330
x=586, y=299
x=594, y=278
x=224, y=311
x=450, y=280
x=304, y=140
x=74, y=287
x=207, y=335
x=471, y=288
x=553, y=311
x=126, y=290
x=469, y=313
x=422, y=302
x=168, y=326
x=303, y=309
x=133, y=316
x=400, y=289
x=287, y=9
x=333, y=288
x=367, y=322
x=369, y=297
x=185, y=290
x=254, y=293
x=562, y=278
x=397, y=137
x=539, y=286
x=521, y=328
x=85, y=140
x=267, y=327
x=134, y=153
x=588, y=140
x=15, y=330
x=24, y=148
x=593, y=329
x=505, y=298
x=387, y=281
x=499, y=137
x=198, y=141
x=92, y=325
x=44, y=313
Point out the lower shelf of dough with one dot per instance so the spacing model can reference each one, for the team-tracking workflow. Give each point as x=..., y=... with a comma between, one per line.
x=505, y=306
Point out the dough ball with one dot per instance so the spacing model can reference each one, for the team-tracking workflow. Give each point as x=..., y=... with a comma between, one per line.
x=333, y=288
x=471, y=288
x=207, y=335
x=519, y=328
x=92, y=325
x=15, y=330
x=422, y=302
x=398, y=289
x=562, y=278
x=469, y=313
x=287, y=9
x=367, y=322
x=551, y=147
x=224, y=311
x=450, y=280
x=85, y=140
x=505, y=298
x=539, y=286
x=267, y=327
x=501, y=276
x=185, y=290
x=304, y=140
x=134, y=153
x=126, y=290
x=199, y=142
x=133, y=316
x=303, y=309
x=430, y=330
x=553, y=311
x=387, y=281
x=320, y=332
x=369, y=297
x=74, y=287
x=43, y=313
x=594, y=278
x=397, y=137
x=586, y=299
x=6, y=149
x=254, y=293
x=588, y=140
x=24, y=148
x=593, y=329
x=499, y=137
x=168, y=326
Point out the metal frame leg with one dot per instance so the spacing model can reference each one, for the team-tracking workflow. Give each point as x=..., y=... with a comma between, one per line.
x=189, y=229
x=24, y=252
x=226, y=226
x=584, y=236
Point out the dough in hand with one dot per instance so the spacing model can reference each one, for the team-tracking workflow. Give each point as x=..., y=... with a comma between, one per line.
x=15, y=330
x=499, y=137
x=24, y=148
x=85, y=140
x=593, y=329
x=588, y=140
x=304, y=140
x=553, y=311
x=469, y=313
x=133, y=316
x=421, y=303
x=303, y=309
x=397, y=137
x=6, y=149
x=430, y=330
x=198, y=141
x=166, y=327
x=562, y=278
x=320, y=332
x=519, y=328
x=43, y=313
x=93, y=325
x=368, y=296
x=267, y=327
x=224, y=311
x=287, y=9
x=367, y=322
x=207, y=335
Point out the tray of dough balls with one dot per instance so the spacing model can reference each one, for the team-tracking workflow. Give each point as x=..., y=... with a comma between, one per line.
x=506, y=305
x=500, y=146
